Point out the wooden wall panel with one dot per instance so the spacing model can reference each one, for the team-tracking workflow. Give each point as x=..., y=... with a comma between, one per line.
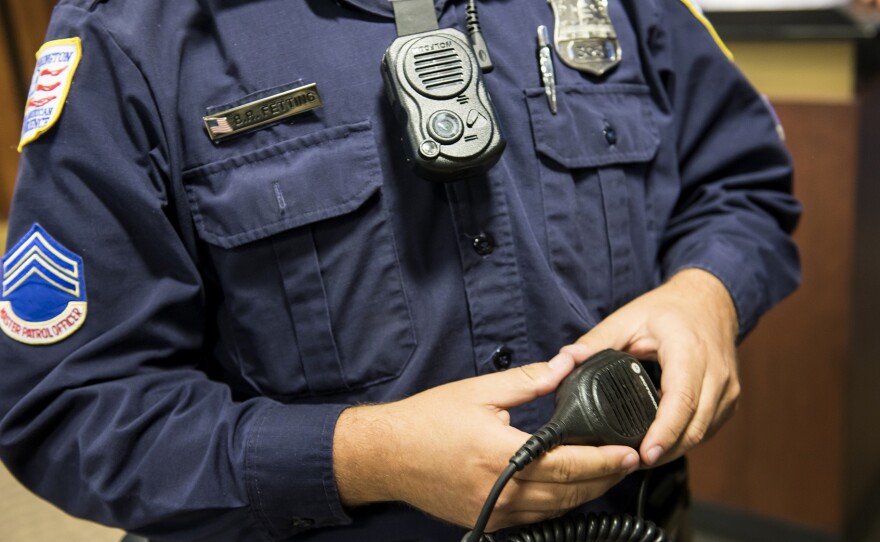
x=30, y=18
x=23, y=24
x=782, y=454
x=10, y=109
x=862, y=391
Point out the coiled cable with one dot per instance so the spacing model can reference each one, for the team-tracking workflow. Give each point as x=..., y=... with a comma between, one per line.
x=592, y=527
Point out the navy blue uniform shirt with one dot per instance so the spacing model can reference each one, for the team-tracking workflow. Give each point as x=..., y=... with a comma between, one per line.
x=240, y=295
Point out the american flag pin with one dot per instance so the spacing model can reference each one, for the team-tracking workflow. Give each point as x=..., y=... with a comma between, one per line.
x=218, y=126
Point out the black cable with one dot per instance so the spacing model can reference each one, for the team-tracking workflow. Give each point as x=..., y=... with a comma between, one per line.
x=542, y=441
x=576, y=528
x=477, y=533
x=642, y=497
x=597, y=527
x=594, y=527
x=476, y=37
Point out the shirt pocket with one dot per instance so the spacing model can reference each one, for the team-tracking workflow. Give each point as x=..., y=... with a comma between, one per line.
x=301, y=244
x=594, y=157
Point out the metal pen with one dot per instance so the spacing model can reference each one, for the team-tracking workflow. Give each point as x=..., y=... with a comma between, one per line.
x=545, y=63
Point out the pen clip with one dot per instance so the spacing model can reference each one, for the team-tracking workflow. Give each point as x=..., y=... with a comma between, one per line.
x=545, y=64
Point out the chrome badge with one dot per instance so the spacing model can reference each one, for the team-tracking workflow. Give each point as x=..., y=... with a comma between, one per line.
x=262, y=112
x=584, y=35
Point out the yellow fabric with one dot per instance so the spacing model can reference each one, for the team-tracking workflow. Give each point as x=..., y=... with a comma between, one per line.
x=700, y=17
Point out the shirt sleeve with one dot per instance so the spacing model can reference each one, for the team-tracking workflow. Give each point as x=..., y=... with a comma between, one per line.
x=736, y=211
x=119, y=422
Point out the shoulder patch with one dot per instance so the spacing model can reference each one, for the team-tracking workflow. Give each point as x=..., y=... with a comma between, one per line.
x=56, y=63
x=43, y=297
x=698, y=13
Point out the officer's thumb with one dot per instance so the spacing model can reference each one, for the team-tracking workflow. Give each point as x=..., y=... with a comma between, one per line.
x=520, y=385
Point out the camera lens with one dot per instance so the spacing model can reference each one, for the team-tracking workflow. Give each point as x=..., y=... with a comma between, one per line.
x=445, y=126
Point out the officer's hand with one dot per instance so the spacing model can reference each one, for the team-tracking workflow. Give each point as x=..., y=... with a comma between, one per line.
x=689, y=325
x=442, y=450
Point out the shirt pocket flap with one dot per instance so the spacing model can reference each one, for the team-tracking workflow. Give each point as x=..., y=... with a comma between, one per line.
x=260, y=193
x=594, y=126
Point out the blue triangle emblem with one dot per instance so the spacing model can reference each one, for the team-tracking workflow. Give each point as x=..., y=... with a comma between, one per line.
x=43, y=296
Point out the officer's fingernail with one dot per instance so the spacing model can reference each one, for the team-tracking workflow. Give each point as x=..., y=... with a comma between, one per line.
x=577, y=350
x=654, y=454
x=630, y=462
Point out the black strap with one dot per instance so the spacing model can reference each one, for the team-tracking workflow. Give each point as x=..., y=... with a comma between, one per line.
x=414, y=16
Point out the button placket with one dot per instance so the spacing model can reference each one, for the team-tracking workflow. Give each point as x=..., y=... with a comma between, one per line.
x=502, y=358
x=610, y=134
x=493, y=285
x=484, y=244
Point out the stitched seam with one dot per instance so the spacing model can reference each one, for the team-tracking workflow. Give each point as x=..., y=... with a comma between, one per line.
x=325, y=212
x=254, y=492
x=596, y=160
x=628, y=90
x=294, y=220
x=329, y=494
x=600, y=160
x=261, y=155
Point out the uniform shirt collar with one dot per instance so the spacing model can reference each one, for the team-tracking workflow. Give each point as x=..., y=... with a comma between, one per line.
x=383, y=7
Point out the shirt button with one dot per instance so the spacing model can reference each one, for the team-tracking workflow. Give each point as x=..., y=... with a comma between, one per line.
x=484, y=244
x=502, y=358
x=610, y=134
x=302, y=523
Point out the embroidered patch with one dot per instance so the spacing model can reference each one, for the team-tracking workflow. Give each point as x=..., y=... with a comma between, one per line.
x=43, y=298
x=56, y=62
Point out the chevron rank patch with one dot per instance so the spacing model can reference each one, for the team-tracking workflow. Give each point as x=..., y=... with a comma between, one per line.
x=56, y=63
x=43, y=297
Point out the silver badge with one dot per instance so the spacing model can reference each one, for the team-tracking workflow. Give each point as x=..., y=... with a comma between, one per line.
x=584, y=35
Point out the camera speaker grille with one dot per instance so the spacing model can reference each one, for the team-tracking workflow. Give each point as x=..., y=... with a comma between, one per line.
x=437, y=69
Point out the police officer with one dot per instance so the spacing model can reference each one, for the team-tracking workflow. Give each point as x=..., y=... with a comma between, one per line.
x=231, y=310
